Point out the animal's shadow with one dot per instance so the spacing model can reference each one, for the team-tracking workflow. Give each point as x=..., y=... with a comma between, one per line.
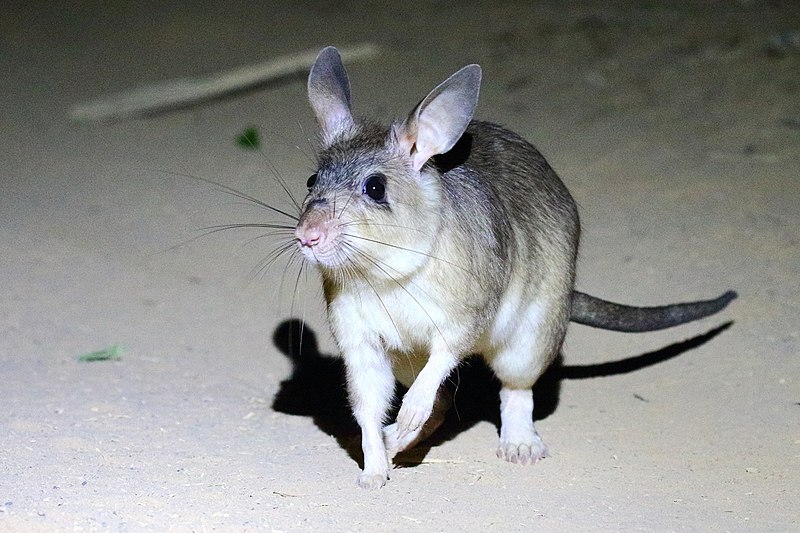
x=317, y=388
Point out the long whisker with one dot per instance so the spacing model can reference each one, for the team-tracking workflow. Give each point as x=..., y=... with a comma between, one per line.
x=303, y=268
x=278, y=178
x=369, y=223
x=293, y=253
x=294, y=293
x=266, y=235
x=233, y=192
x=346, y=204
x=266, y=263
x=409, y=250
x=210, y=230
x=268, y=225
x=308, y=140
x=276, y=174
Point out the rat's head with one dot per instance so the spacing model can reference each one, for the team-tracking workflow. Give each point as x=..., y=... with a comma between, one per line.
x=374, y=206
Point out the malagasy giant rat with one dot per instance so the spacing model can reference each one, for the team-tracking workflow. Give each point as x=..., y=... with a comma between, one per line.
x=440, y=237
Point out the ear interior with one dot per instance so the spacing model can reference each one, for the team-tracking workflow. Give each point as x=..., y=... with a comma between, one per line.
x=440, y=119
x=329, y=94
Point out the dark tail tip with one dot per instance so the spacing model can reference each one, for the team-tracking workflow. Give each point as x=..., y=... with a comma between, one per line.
x=727, y=298
x=722, y=301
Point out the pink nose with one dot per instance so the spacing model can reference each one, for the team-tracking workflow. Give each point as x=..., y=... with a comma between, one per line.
x=308, y=236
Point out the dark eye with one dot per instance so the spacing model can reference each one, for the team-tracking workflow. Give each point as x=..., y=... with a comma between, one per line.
x=311, y=181
x=375, y=187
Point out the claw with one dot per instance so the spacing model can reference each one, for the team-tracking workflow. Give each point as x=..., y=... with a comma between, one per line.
x=523, y=453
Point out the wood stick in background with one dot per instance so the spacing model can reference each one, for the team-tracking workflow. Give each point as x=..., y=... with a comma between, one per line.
x=186, y=91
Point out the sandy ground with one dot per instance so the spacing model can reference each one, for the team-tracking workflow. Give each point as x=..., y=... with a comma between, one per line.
x=677, y=130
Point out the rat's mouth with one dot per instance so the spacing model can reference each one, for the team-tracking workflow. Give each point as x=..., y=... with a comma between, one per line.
x=325, y=254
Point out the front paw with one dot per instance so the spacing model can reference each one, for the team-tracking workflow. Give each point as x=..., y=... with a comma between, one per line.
x=390, y=440
x=412, y=416
x=395, y=443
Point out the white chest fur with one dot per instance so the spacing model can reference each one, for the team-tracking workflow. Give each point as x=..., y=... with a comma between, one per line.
x=400, y=320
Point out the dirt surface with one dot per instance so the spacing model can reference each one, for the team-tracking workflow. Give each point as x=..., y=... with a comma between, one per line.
x=676, y=127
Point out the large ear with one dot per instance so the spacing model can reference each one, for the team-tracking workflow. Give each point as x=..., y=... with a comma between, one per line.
x=329, y=93
x=440, y=119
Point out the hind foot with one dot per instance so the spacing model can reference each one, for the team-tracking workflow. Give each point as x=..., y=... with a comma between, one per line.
x=519, y=442
x=372, y=481
x=522, y=450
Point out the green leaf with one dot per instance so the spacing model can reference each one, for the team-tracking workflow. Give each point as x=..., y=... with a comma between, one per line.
x=248, y=139
x=107, y=354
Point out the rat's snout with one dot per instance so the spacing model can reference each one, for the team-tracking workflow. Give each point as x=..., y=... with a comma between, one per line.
x=308, y=235
x=313, y=232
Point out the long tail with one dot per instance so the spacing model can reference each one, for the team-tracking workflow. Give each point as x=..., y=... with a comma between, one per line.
x=592, y=311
